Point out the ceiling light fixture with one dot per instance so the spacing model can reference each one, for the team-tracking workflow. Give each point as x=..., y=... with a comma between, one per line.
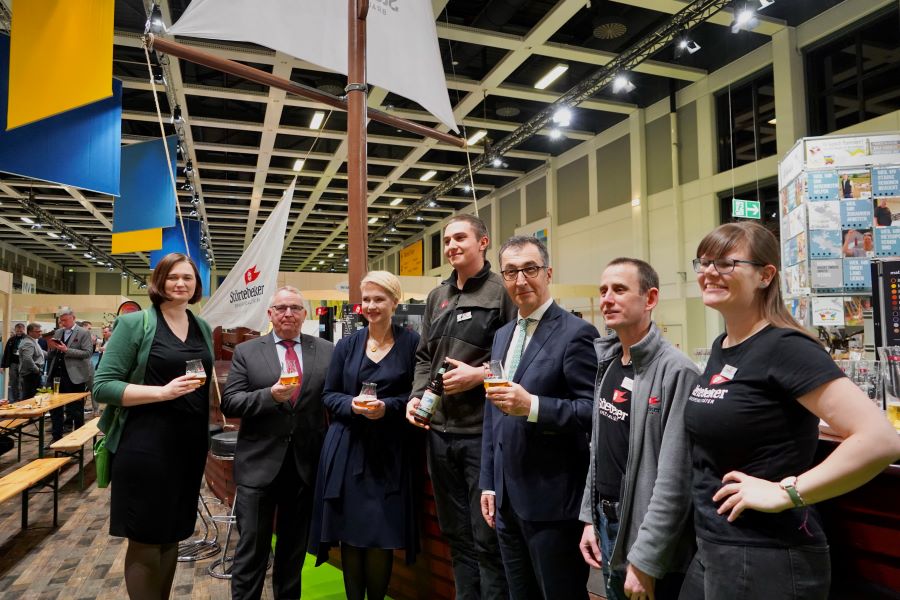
x=555, y=134
x=342, y=246
x=476, y=137
x=765, y=3
x=176, y=115
x=373, y=220
x=28, y=220
x=563, y=117
x=772, y=121
x=428, y=175
x=467, y=188
x=188, y=168
x=317, y=119
x=497, y=162
x=744, y=20
x=298, y=165
x=396, y=201
x=686, y=45
x=622, y=84
x=551, y=76
x=51, y=234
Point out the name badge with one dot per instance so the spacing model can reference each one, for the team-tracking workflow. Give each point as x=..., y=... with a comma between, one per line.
x=627, y=383
x=464, y=316
x=728, y=371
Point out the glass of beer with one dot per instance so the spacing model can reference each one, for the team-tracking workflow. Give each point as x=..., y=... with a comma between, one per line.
x=367, y=394
x=195, y=368
x=56, y=386
x=494, y=374
x=289, y=374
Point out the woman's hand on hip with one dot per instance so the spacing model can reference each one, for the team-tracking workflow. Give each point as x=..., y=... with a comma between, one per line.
x=741, y=491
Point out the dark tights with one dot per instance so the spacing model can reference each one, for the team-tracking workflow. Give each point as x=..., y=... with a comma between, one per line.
x=366, y=571
x=150, y=570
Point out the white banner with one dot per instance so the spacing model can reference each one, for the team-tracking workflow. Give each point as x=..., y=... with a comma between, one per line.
x=29, y=285
x=401, y=48
x=242, y=299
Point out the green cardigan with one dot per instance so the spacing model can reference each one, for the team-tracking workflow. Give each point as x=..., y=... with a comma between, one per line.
x=124, y=362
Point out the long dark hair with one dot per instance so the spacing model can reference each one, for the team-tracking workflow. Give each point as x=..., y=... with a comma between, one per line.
x=762, y=247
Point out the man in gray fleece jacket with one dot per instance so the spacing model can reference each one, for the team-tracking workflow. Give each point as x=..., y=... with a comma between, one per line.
x=637, y=498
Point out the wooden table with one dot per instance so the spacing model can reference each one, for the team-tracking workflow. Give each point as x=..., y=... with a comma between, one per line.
x=28, y=409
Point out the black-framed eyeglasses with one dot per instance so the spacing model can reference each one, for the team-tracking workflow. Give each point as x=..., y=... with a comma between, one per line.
x=722, y=265
x=283, y=308
x=529, y=272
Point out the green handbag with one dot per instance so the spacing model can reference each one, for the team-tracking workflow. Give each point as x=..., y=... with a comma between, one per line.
x=101, y=462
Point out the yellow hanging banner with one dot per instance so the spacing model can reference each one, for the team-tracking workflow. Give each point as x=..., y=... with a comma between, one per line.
x=137, y=241
x=60, y=57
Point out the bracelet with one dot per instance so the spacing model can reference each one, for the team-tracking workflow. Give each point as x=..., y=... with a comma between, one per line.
x=789, y=485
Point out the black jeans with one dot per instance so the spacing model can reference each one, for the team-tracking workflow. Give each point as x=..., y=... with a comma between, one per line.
x=720, y=572
x=454, y=463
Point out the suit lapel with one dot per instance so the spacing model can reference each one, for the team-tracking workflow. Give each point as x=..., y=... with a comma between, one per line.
x=545, y=329
x=271, y=354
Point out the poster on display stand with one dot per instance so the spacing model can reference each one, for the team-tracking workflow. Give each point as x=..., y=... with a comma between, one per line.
x=839, y=207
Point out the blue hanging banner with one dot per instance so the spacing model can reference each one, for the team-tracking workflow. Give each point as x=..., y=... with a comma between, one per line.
x=147, y=200
x=80, y=147
x=173, y=241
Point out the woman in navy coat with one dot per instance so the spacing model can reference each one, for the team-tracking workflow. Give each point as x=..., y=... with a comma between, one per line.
x=364, y=486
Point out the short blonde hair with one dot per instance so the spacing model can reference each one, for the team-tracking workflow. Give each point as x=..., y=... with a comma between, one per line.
x=385, y=280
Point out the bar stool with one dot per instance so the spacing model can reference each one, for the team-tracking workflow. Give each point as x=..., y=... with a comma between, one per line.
x=207, y=545
x=222, y=447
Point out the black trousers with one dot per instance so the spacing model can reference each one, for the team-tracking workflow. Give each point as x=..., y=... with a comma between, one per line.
x=454, y=464
x=73, y=411
x=29, y=384
x=286, y=502
x=542, y=559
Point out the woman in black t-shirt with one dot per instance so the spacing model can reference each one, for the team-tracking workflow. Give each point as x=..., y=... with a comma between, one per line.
x=753, y=424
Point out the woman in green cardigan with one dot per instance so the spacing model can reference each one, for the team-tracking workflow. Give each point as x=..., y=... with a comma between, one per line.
x=156, y=425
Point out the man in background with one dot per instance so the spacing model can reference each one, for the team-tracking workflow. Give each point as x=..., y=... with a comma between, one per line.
x=11, y=362
x=69, y=360
x=31, y=361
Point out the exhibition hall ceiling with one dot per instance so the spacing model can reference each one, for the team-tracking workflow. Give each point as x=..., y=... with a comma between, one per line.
x=243, y=146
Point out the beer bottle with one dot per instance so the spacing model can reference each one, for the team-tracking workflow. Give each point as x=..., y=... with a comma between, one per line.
x=431, y=398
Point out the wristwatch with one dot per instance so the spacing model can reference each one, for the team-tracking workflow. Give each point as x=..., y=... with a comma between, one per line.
x=789, y=485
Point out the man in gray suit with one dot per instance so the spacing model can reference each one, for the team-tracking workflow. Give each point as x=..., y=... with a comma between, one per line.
x=70, y=360
x=277, y=454
x=31, y=361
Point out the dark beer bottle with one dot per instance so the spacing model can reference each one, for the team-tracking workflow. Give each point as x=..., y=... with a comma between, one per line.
x=431, y=398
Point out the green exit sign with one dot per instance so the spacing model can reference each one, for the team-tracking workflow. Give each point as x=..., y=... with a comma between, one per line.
x=745, y=209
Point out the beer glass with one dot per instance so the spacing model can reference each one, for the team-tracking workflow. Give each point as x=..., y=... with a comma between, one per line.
x=367, y=394
x=56, y=386
x=195, y=368
x=289, y=374
x=494, y=374
x=890, y=375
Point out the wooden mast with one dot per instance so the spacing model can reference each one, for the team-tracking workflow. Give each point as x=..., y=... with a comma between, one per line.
x=357, y=188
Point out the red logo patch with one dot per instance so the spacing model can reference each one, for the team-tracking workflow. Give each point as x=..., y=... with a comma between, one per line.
x=251, y=275
x=444, y=304
x=619, y=397
x=717, y=379
x=653, y=401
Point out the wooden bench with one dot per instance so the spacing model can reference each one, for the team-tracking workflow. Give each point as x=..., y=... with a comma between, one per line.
x=73, y=445
x=31, y=476
x=14, y=426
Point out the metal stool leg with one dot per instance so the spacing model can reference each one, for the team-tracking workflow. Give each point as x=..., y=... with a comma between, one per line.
x=205, y=546
x=221, y=567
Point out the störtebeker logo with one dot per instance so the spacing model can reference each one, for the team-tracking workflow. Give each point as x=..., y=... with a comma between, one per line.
x=251, y=275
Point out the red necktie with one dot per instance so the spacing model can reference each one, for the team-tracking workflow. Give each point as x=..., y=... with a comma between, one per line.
x=292, y=358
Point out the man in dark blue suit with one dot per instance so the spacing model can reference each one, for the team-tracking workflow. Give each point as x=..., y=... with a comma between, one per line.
x=535, y=444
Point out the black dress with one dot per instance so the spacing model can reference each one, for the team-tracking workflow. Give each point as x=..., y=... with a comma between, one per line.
x=158, y=467
x=363, y=491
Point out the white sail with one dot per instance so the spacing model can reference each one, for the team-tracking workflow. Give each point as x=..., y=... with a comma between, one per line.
x=402, y=47
x=243, y=298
